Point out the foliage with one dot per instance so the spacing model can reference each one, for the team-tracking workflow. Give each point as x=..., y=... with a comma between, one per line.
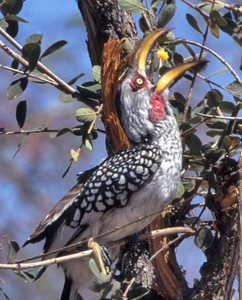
x=216, y=112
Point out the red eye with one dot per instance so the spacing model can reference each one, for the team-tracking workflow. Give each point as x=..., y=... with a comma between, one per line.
x=137, y=82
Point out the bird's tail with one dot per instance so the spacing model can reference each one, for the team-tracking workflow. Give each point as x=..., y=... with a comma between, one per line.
x=69, y=292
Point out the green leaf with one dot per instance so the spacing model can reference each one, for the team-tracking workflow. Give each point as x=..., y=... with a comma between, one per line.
x=90, y=86
x=213, y=155
x=13, y=248
x=88, y=89
x=227, y=107
x=155, y=3
x=74, y=79
x=166, y=15
x=227, y=143
x=193, y=22
x=214, y=133
x=209, y=201
x=214, y=29
x=34, y=38
x=62, y=131
x=11, y=7
x=214, y=97
x=204, y=238
x=12, y=28
x=88, y=144
x=235, y=88
x=15, y=18
x=56, y=46
x=85, y=115
x=138, y=293
x=208, y=6
x=193, y=142
x=216, y=123
x=3, y=24
x=143, y=24
x=21, y=112
x=31, y=274
x=65, y=98
x=178, y=58
x=189, y=49
x=231, y=26
x=16, y=88
x=128, y=47
x=190, y=185
x=180, y=191
x=38, y=74
x=132, y=6
x=96, y=73
x=14, y=64
x=31, y=52
x=216, y=18
x=218, y=72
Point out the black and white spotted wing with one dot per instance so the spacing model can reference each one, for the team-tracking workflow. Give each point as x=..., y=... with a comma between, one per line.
x=113, y=182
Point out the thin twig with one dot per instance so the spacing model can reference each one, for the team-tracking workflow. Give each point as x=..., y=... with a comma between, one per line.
x=219, y=117
x=95, y=119
x=47, y=262
x=57, y=81
x=151, y=258
x=196, y=8
x=210, y=82
x=26, y=74
x=227, y=6
x=75, y=245
x=29, y=131
x=19, y=265
x=125, y=293
x=186, y=107
x=107, y=287
x=232, y=71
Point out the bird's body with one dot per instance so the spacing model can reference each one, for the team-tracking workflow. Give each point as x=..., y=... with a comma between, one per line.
x=126, y=191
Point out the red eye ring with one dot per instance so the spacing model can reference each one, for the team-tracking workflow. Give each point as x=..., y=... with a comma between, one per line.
x=137, y=82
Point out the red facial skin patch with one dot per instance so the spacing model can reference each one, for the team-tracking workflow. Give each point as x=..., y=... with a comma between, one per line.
x=157, y=110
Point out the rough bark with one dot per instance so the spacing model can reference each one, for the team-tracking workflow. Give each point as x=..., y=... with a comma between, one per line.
x=219, y=272
x=104, y=19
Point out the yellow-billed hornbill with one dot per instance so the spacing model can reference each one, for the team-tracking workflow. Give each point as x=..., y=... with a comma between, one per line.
x=128, y=185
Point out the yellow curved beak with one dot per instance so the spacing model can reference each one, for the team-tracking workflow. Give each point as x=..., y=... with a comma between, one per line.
x=143, y=48
x=174, y=73
x=140, y=54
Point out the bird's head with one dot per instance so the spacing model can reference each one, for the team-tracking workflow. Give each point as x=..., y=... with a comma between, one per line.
x=141, y=105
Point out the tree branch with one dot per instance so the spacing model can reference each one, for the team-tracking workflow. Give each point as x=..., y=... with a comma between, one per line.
x=43, y=263
x=53, y=78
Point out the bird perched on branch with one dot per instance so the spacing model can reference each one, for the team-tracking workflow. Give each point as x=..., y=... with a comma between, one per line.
x=129, y=189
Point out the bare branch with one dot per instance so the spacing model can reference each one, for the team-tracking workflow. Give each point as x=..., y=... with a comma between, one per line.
x=228, y=6
x=28, y=75
x=236, y=76
x=219, y=117
x=56, y=81
x=179, y=238
x=22, y=265
x=47, y=262
x=41, y=130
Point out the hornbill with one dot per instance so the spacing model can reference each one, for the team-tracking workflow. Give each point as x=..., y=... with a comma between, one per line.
x=126, y=191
